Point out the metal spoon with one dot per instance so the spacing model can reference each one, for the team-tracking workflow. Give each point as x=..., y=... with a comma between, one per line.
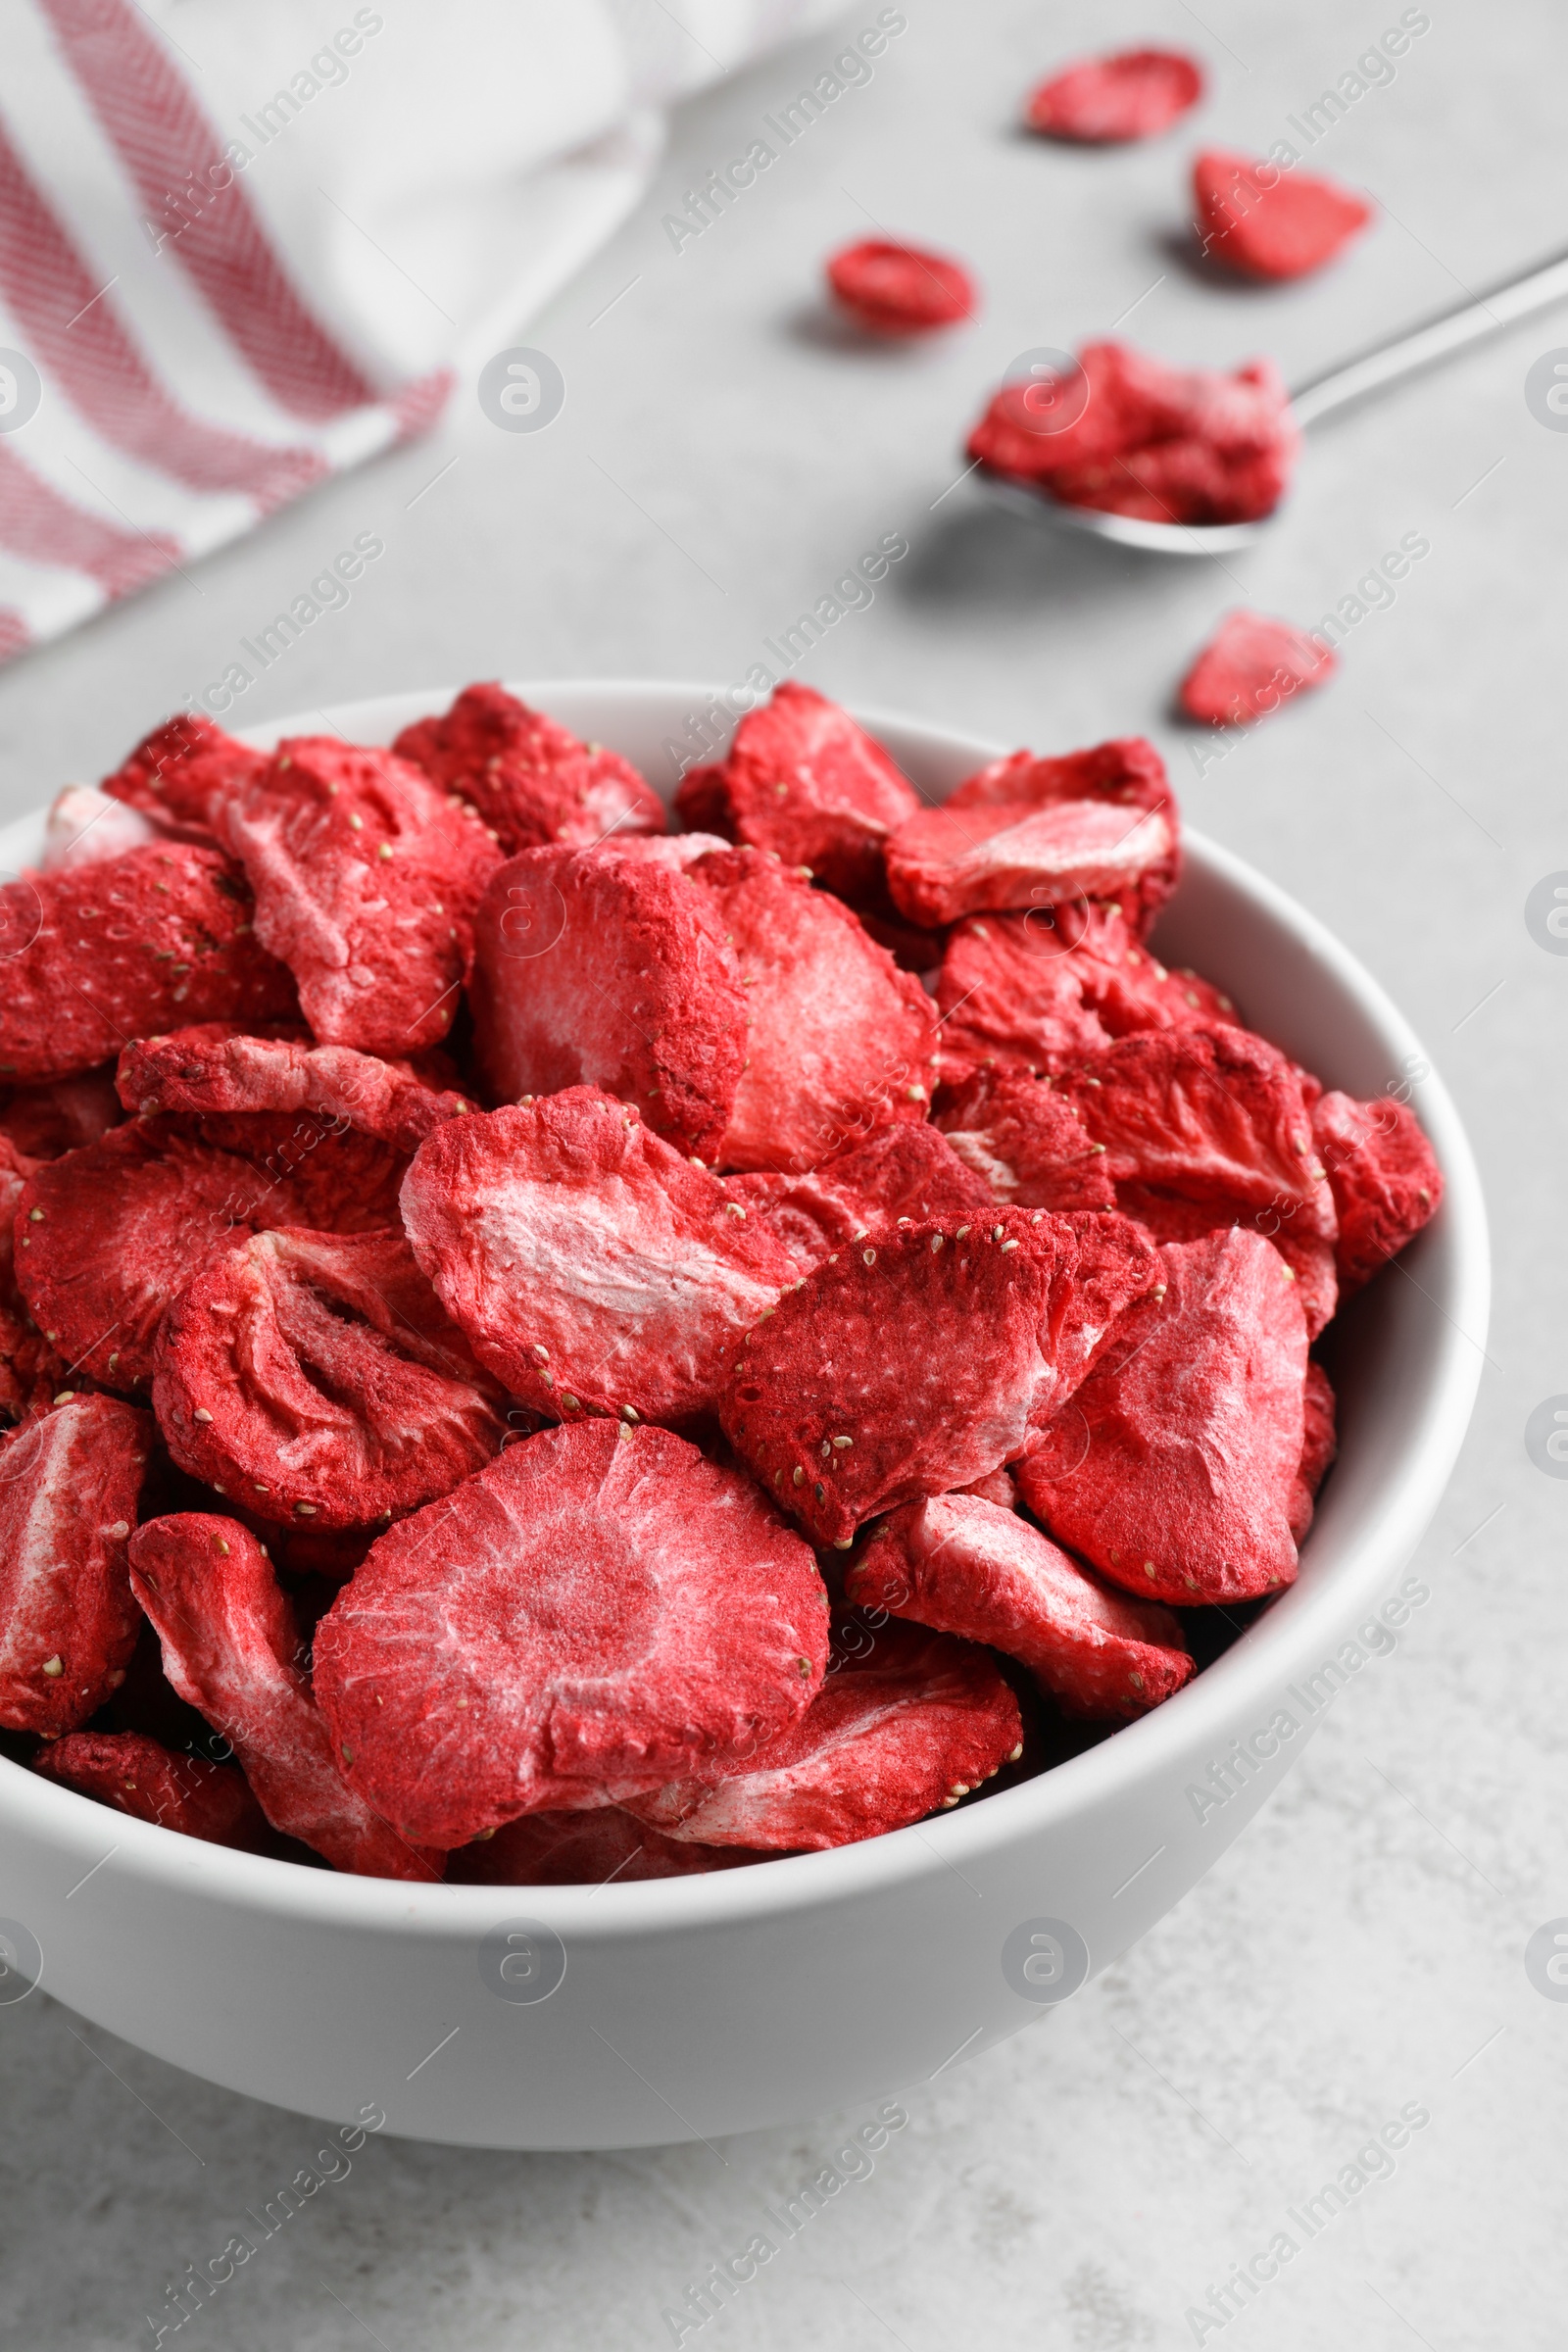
x=1320, y=397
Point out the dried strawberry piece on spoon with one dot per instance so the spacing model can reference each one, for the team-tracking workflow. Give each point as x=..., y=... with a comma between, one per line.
x=1134, y=94
x=593, y=1268
x=70, y=1482
x=530, y=779
x=151, y=1783
x=962, y=1566
x=232, y=1650
x=907, y=1729
x=314, y=1376
x=598, y=1611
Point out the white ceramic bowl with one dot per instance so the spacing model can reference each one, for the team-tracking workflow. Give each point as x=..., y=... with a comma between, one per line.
x=692, y=2007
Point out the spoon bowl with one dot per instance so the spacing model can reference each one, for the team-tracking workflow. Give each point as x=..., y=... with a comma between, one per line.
x=1370, y=371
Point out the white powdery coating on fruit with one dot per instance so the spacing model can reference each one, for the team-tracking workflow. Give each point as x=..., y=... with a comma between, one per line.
x=66, y=1480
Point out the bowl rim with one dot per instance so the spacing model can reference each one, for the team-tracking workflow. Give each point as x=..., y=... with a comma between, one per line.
x=1251, y=1670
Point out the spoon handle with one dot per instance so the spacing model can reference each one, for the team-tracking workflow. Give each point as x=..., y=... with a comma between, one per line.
x=1497, y=308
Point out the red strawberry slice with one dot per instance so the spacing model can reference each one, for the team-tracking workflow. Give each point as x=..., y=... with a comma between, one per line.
x=1134, y=94
x=232, y=1650
x=314, y=1376
x=893, y=289
x=598, y=1611
x=151, y=1782
x=1173, y=1468
x=1253, y=666
x=70, y=1480
x=593, y=1268
x=905, y=1730
x=529, y=777
x=962, y=1566
x=1268, y=221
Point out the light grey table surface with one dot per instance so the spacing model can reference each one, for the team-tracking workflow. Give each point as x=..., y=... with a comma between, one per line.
x=723, y=453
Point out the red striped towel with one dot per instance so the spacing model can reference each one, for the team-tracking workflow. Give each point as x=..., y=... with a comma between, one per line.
x=242, y=250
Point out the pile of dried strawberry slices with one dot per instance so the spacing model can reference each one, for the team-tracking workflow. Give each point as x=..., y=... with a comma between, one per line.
x=541, y=1348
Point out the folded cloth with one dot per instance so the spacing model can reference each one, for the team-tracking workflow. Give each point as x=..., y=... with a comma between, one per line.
x=242, y=250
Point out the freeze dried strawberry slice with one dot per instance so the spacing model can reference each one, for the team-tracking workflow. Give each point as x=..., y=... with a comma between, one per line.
x=593, y=968
x=85, y=827
x=530, y=779
x=1011, y=994
x=1026, y=1142
x=1173, y=1468
x=69, y=1485
x=905, y=1174
x=1130, y=435
x=232, y=1650
x=107, y=1237
x=962, y=1566
x=1384, y=1179
x=1319, y=1446
x=31, y=1372
x=219, y=1067
x=309, y=1169
x=1269, y=223
x=1028, y=992
x=838, y=1039
x=148, y=941
x=1102, y=1267
x=183, y=771
x=1169, y=1216
x=1042, y=833
x=1250, y=667
x=801, y=779
x=365, y=878
x=914, y=1725
x=151, y=1782
x=1134, y=94
x=42, y=1122
x=593, y=1268
x=894, y=289
x=949, y=863
x=314, y=1375
x=899, y=1368
x=584, y=1849
x=599, y=1610
x=1216, y=1114
x=998, y=1487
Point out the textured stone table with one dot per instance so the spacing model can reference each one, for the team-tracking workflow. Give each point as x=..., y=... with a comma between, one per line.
x=723, y=455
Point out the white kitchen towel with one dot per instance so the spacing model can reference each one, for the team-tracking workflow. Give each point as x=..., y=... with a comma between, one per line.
x=243, y=247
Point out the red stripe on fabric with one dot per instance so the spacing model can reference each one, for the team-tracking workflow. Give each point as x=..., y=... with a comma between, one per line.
x=166, y=143
x=42, y=526
x=77, y=332
x=418, y=404
x=15, y=635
